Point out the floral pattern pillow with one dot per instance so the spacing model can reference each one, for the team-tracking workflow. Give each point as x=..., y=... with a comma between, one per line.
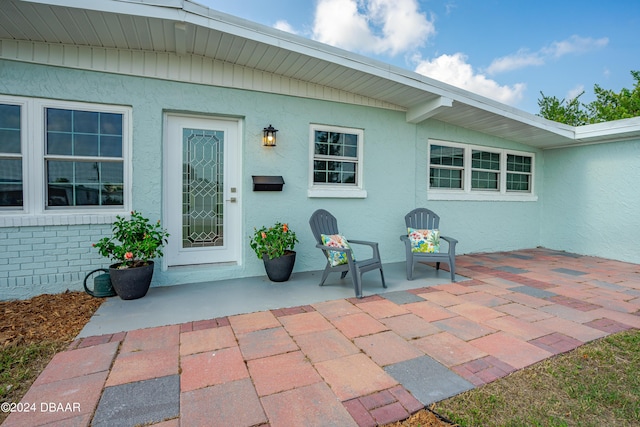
x=426, y=241
x=337, y=241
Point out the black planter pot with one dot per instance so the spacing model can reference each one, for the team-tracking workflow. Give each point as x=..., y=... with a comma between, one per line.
x=279, y=269
x=131, y=283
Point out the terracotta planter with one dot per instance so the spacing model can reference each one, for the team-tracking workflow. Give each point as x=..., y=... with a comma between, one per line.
x=131, y=283
x=279, y=269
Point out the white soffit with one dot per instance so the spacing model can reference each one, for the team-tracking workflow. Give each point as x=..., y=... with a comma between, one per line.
x=184, y=27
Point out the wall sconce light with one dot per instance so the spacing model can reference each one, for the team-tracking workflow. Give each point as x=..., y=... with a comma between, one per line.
x=269, y=136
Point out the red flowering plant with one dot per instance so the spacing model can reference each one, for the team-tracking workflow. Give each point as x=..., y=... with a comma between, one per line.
x=135, y=241
x=274, y=241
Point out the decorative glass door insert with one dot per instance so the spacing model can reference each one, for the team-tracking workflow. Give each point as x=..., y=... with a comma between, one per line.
x=203, y=188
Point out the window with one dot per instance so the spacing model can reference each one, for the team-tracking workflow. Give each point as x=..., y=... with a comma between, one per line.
x=75, y=154
x=466, y=172
x=485, y=170
x=447, y=166
x=11, y=185
x=518, y=173
x=83, y=158
x=336, y=162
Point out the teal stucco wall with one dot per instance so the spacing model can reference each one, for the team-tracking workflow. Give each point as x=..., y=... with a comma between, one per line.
x=591, y=201
x=395, y=177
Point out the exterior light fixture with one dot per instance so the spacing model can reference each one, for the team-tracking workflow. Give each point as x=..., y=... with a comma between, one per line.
x=269, y=136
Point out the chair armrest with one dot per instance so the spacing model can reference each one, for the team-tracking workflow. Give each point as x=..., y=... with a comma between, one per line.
x=451, y=240
x=373, y=245
x=363, y=242
x=452, y=243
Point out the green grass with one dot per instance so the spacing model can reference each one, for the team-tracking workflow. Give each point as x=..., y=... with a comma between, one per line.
x=19, y=367
x=597, y=384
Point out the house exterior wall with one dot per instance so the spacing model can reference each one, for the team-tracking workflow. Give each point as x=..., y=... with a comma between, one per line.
x=480, y=226
x=51, y=255
x=591, y=203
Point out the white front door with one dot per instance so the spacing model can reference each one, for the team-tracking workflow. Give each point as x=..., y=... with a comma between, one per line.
x=202, y=204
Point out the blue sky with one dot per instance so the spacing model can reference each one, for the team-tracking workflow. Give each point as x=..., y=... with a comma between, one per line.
x=508, y=50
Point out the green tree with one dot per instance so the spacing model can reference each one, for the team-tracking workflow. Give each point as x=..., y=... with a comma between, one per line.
x=607, y=106
x=569, y=112
x=613, y=106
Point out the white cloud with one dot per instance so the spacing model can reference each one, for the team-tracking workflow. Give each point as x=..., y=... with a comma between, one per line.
x=575, y=44
x=284, y=26
x=398, y=26
x=450, y=7
x=575, y=92
x=523, y=58
x=372, y=26
x=454, y=70
x=338, y=23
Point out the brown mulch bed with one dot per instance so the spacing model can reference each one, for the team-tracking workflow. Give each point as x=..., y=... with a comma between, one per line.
x=32, y=332
x=58, y=317
x=423, y=418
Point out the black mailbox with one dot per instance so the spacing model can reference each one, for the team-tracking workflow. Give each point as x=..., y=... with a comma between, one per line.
x=267, y=183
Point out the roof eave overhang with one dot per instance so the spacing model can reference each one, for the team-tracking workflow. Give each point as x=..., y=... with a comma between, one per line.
x=440, y=101
x=615, y=130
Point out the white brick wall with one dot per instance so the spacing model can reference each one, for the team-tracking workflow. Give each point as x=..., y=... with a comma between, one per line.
x=48, y=259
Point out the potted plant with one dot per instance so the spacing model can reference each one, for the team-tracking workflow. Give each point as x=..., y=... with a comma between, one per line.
x=135, y=241
x=274, y=245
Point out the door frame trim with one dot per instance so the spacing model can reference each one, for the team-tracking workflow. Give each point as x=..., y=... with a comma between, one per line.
x=237, y=165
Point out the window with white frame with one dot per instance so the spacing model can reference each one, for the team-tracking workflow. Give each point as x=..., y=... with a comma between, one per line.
x=519, y=172
x=461, y=171
x=11, y=181
x=336, y=162
x=75, y=155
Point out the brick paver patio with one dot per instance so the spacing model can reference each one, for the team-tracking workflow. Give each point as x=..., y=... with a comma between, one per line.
x=346, y=362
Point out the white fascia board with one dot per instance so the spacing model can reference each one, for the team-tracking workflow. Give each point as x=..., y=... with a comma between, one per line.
x=613, y=130
x=512, y=113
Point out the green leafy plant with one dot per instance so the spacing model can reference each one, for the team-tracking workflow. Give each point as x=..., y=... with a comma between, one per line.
x=135, y=241
x=607, y=106
x=273, y=241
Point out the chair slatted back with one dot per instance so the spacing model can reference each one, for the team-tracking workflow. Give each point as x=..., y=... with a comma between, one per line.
x=322, y=222
x=422, y=218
